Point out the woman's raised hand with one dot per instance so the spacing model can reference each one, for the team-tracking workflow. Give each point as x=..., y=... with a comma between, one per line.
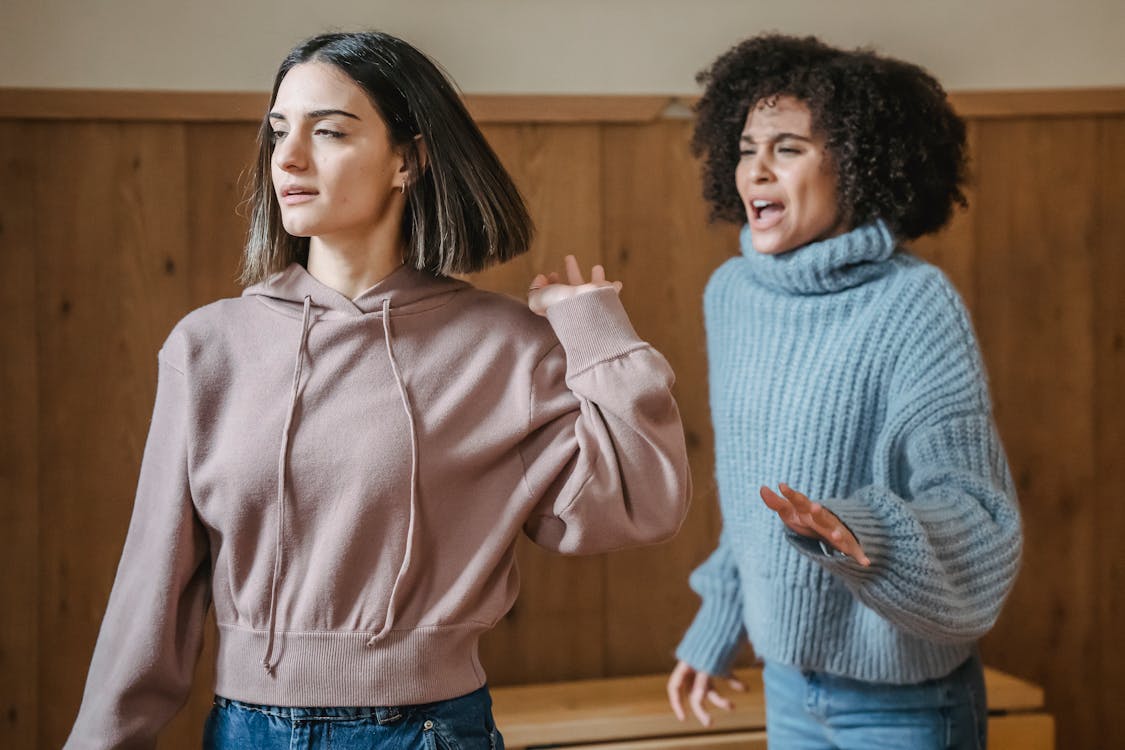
x=547, y=289
x=810, y=519
x=700, y=690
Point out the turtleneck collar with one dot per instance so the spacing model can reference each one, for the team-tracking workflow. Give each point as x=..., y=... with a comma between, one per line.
x=826, y=266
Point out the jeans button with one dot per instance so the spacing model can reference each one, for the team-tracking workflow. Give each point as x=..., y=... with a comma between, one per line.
x=428, y=725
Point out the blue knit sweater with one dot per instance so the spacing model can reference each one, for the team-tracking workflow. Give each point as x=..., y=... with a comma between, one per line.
x=850, y=371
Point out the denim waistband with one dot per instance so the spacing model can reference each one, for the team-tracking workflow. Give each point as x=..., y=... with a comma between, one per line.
x=381, y=714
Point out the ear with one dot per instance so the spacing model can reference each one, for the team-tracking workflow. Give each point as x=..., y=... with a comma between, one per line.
x=414, y=158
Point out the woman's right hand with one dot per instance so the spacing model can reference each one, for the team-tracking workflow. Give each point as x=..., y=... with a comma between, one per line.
x=547, y=289
x=700, y=689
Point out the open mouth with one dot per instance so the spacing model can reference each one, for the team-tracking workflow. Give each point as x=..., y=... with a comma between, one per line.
x=765, y=210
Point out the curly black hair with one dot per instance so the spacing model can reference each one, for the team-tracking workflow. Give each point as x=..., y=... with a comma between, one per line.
x=896, y=145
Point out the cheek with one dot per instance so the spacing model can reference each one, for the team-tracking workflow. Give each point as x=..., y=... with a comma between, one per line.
x=829, y=203
x=741, y=183
x=276, y=174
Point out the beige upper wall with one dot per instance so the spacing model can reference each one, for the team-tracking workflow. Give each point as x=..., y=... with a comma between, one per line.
x=552, y=46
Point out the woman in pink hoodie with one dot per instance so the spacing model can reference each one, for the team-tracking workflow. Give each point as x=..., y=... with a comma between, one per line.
x=340, y=461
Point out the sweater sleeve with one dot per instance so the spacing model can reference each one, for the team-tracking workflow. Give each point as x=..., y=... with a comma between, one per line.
x=945, y=549
x=150, y=638
x=605, y=458
x=712, y=642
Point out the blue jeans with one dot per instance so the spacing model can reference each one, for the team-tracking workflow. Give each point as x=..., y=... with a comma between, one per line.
x=817, y=711
x=463, y=723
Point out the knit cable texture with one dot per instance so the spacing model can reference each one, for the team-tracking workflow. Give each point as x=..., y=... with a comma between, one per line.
x=850, y=371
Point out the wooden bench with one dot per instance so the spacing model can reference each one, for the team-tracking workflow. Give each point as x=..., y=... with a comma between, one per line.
x=632, y=713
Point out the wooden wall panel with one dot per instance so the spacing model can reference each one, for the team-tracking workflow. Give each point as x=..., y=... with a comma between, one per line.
x=19, y=440
x=1106, y=496
x=658, y=242
x=82, y=515
x=555, y=628
x=106, y=299
x=1034, y=272
x=220, y=162
x=112, y=231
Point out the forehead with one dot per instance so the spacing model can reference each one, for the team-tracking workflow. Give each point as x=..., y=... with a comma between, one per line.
x=316, y=85
x=783, y=114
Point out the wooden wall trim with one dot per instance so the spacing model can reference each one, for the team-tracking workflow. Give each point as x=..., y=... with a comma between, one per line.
x=1039, y=103
x=95, y=104
x=206, y=106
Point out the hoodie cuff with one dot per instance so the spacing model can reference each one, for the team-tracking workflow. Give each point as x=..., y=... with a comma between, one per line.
x=714, y=638
x=593, y=327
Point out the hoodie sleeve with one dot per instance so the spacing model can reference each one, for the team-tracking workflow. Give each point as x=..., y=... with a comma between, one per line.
x=150, y=638
x=945, y=549
x=605, y=459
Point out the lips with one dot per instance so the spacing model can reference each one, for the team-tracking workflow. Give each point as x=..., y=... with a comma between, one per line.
x=765, y=213
x=294, y=194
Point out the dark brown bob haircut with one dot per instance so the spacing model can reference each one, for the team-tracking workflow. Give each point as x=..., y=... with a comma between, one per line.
x=896, y=145
x=463, y=212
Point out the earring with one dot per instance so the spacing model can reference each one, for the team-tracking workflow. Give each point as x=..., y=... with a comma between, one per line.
x=402, y=188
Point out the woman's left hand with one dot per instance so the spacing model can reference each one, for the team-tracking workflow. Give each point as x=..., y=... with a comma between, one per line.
x=546, y=290
x=810, y=519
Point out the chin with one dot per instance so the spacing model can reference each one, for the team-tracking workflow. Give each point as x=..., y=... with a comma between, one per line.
x=298, y=229
x=770, y=246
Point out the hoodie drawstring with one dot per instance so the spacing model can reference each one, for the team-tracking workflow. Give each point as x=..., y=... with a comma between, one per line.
x=282, y=465
x=408, y=553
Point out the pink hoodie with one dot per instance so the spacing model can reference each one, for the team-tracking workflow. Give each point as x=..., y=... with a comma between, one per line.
x=346, y=481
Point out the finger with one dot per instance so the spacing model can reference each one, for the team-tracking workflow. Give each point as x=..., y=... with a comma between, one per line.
x=827, y=523
x=573, y=272
x=553, y=277
x=597, y=274
x=618, y=285
x=840, y=537
x=539, y=281
x=719, y=701
x=736, y=684
x=786, y=513
x=800, y=501
x=814, y=515
x=850, y=546
x=776, y=502
x=699, y=689
x=674, y=688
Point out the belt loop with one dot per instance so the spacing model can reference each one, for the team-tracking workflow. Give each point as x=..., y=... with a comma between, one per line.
x=387, y=714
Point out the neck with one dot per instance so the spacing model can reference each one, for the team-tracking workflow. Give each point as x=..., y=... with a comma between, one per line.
x=353, y=265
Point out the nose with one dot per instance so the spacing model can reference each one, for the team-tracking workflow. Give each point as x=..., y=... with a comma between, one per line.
x=289, y=154
x=760, y=171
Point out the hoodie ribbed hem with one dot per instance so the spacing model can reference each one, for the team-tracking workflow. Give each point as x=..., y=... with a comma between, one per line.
x=406, y=667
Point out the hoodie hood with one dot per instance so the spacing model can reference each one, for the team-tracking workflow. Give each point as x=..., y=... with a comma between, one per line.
x=407, y=289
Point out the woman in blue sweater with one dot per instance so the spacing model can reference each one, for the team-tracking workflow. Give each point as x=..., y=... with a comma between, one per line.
x=871, y=531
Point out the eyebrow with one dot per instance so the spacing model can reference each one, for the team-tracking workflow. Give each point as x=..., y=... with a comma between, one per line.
x=779, y=137
x=317, y=114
